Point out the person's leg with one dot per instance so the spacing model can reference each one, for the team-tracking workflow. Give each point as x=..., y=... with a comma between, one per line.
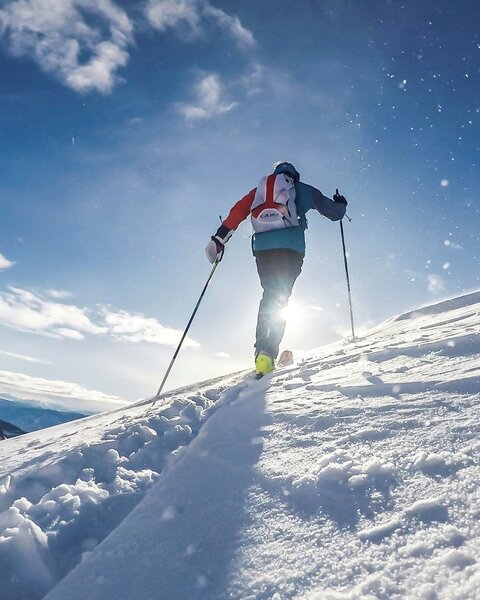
x=278, y=269
x=266, y=267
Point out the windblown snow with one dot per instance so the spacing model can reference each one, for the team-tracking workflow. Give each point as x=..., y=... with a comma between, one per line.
x=351, y=474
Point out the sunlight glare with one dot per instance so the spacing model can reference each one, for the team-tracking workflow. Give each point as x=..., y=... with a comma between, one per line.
x=292, y=313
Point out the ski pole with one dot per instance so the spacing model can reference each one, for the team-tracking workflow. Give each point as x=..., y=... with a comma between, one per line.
x=348, y=278
x=215, y=265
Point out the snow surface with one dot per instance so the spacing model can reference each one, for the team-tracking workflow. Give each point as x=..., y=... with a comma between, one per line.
x=353, y=474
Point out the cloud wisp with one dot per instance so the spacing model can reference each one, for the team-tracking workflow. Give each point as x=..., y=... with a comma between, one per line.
x=231, y=25
x=59, y=294
x=5, y=263
x=25, y=357
x=172, y=14
x=81, y=42
x=31, y=312
x=208, y=102
x=192, y=15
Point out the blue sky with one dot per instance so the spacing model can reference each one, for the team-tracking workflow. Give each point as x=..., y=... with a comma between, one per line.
x=127, y=128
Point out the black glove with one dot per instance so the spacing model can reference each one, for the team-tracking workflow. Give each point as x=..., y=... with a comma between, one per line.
x=338, y=198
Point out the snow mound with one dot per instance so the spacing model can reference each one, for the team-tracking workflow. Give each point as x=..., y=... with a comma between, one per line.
x=64, y=489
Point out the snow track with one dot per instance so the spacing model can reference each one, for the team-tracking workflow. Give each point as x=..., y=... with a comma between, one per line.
x=64, y=489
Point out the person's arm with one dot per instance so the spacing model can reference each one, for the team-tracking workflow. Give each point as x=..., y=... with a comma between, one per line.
x=238, y=213
x=332, y=209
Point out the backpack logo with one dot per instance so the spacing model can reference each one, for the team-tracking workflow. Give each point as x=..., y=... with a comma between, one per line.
x=265, y=214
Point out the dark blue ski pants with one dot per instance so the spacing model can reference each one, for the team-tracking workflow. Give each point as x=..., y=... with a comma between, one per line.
x=278, y=269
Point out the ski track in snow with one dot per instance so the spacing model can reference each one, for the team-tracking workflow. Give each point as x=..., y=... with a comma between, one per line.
x=63, y=489
x=351, y=475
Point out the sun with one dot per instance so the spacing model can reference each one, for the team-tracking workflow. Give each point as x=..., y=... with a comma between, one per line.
x=292, y=313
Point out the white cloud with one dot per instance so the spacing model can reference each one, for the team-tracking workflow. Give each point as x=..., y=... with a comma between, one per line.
x=31, y=312
x=99, y=72
x=58, y=34
x=125, y=326
x=178, y=14
x=83, y=43
x=222, y=355
x=5, y=263
x=26, y=311
x=67, y=394
x=435, y=284
x=208, y=93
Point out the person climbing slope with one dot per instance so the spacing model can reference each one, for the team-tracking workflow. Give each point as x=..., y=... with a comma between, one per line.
x=277, y=207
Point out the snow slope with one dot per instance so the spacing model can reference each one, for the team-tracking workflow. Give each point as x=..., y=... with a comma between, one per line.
x=354, y=474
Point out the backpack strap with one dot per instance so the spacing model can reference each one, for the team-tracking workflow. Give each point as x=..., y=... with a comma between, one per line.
x=302, y=217
x=264, y=193
x=269, y=189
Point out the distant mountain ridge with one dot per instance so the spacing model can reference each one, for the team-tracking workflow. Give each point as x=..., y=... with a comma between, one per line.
x=30, y=416
x=7, y=430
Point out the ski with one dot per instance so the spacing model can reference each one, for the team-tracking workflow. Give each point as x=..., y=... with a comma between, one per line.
x=285, y=359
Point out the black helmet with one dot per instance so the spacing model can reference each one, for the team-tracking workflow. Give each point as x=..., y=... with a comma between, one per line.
x=287, y=168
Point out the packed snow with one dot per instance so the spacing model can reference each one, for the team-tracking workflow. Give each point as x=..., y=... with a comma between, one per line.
x=353, y=473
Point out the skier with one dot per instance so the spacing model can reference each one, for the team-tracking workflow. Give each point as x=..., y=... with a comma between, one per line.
x=277, y=207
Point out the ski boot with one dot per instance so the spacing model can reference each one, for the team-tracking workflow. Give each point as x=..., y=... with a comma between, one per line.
x=263, y=364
